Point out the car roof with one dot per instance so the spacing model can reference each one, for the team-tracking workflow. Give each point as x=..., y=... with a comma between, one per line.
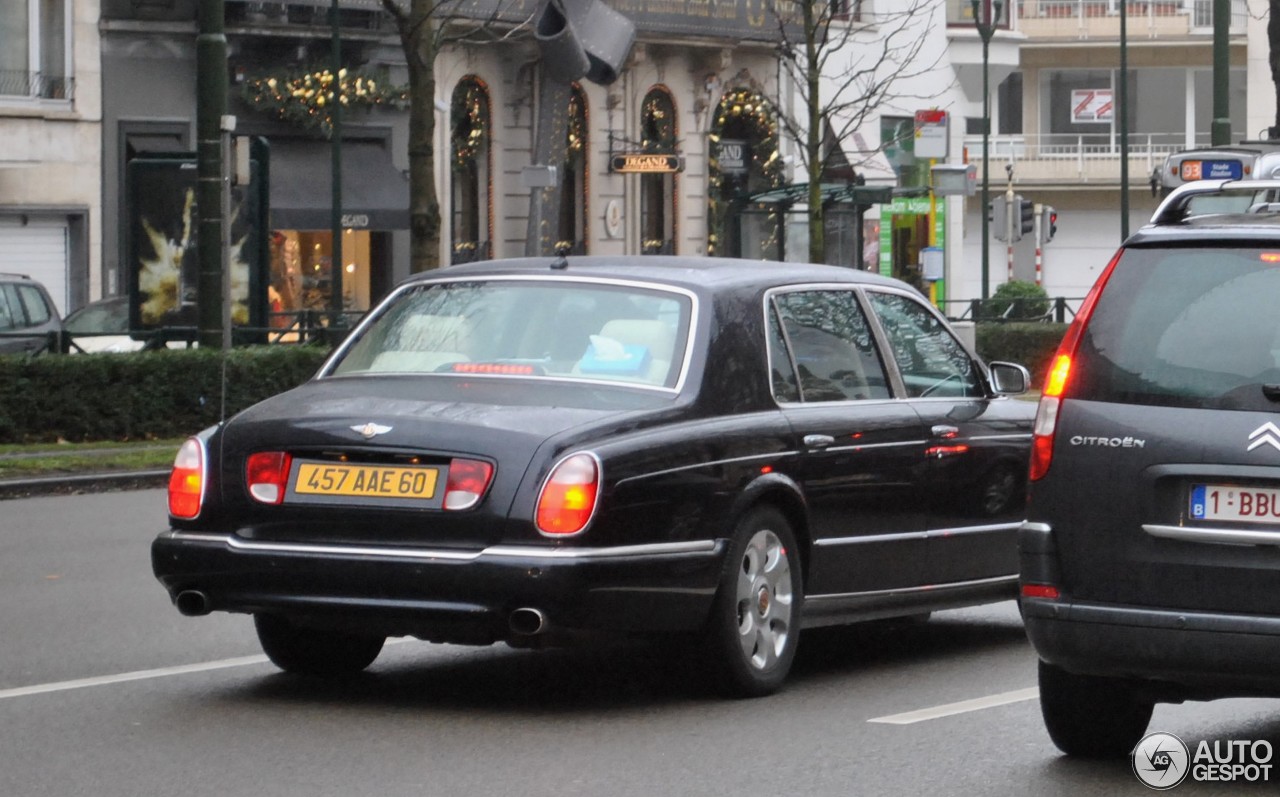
x=1175, y=221
x=713, y=273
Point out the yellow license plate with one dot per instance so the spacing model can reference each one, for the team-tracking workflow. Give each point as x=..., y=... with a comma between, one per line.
x=369, y=481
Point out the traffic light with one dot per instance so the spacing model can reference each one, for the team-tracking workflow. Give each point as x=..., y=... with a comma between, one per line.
x=1026, y=215
x=996, y=215
x=1048, y=222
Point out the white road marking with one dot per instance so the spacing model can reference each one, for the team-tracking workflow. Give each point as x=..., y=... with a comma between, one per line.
x=140, y=675
x=964, y=706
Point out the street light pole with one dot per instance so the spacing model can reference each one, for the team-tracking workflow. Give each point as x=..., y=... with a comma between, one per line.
x=1122, y=113
x=986, y=15
x=335, y=219
x=211, y=106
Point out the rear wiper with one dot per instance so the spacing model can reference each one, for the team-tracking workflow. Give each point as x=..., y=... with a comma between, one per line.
x=1271, y=391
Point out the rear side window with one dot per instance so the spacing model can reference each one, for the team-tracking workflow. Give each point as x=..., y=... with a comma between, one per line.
x=1185, y=327
x=831, y=343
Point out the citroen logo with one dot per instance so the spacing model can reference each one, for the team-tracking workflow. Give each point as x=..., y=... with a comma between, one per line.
x=1267, y=433
x=370, y=430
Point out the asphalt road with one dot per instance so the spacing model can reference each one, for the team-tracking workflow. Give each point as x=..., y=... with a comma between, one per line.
x=105, y=690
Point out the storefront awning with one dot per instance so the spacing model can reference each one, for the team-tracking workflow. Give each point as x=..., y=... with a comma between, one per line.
x=375, y=194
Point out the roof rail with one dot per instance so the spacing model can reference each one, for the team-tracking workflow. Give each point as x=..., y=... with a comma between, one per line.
x=1176, y=207
x=14, y=274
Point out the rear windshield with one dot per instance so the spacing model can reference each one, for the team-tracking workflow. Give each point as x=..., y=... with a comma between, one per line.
x=1186, y=327
x=596, y=332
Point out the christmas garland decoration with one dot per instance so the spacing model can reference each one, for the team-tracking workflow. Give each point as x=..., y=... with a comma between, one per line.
x=745, y=107
x=305, y=98
x=470, y=122
x=658, y=133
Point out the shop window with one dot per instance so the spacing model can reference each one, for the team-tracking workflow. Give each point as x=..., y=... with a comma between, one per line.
x=471, y=190
x=34, y=56
x=744, y=161
x=573, y=188
x=657, y=191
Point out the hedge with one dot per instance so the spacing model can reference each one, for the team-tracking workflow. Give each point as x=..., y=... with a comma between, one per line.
x=1031, y=344
x=173, y=393
x=140, y=395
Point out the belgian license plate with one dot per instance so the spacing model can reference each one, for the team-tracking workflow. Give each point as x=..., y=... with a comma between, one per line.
x=1235, y=503
x=338, y=480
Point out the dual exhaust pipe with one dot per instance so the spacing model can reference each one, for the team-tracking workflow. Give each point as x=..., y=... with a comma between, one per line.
x=524, y=621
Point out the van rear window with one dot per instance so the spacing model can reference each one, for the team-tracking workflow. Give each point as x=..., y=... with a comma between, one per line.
x=1185, y=327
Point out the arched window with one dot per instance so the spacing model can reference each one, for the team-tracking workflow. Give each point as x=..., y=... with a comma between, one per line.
x=470, y=198
x=658, y=191
x=572, y=233
x=744, y=161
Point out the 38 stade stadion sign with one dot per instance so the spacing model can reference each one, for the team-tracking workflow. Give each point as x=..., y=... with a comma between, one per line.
x=645, y=163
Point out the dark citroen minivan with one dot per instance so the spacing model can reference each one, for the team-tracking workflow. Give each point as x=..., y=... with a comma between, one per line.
x=1150, y=558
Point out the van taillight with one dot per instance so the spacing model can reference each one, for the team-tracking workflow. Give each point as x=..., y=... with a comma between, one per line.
x=267, y=474
x=1059, y=378
x=187, y=480
x=568, y=498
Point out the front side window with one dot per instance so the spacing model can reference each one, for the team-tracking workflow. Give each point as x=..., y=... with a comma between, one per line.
x=34, y=60
x=594, y=332
x=932, y=361
x=1185, y=328
x=831, y=346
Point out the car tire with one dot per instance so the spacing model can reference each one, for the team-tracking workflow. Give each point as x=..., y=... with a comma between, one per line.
x=755, y=619
x=1089, y=716
x=313, y=651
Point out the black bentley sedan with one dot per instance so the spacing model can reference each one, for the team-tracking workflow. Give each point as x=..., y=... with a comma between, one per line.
x=542, y=450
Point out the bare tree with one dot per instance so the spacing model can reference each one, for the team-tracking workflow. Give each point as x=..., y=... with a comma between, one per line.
x=847, y=67
x=425, y=28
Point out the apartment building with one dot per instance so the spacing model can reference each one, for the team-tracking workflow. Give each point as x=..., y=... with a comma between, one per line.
x=1056, y=125
x=50, y=164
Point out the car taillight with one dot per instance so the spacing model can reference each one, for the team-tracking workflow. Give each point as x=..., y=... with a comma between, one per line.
x=568, y=498
x=1059, y=377
x=267, y=474
x=468, y=479
x=187, y=480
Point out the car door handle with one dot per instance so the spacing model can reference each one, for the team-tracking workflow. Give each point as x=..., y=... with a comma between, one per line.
x=945, y=430
x=818, y=440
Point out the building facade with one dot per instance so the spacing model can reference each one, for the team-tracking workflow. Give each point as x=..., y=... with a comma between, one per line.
x=50, y=121
x=1056, y=125
x=652, y=160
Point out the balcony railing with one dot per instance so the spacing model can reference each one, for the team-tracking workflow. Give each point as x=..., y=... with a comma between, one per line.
x=20, y=83
x=1085, y=19
x=960, y=13
x=1078, y=157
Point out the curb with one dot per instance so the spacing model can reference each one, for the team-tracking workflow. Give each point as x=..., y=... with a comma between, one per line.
x=75, y=483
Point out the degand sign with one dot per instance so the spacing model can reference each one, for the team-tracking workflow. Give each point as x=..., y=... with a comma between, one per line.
x=645, y=163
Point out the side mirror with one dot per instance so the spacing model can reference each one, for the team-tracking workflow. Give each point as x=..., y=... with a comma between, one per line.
x=1009, y=379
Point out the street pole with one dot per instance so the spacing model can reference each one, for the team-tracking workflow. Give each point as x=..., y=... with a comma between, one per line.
x=336, y=320
x=1220, y=136
x=1122, y=112
x=986, y=15
x=211, y=106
